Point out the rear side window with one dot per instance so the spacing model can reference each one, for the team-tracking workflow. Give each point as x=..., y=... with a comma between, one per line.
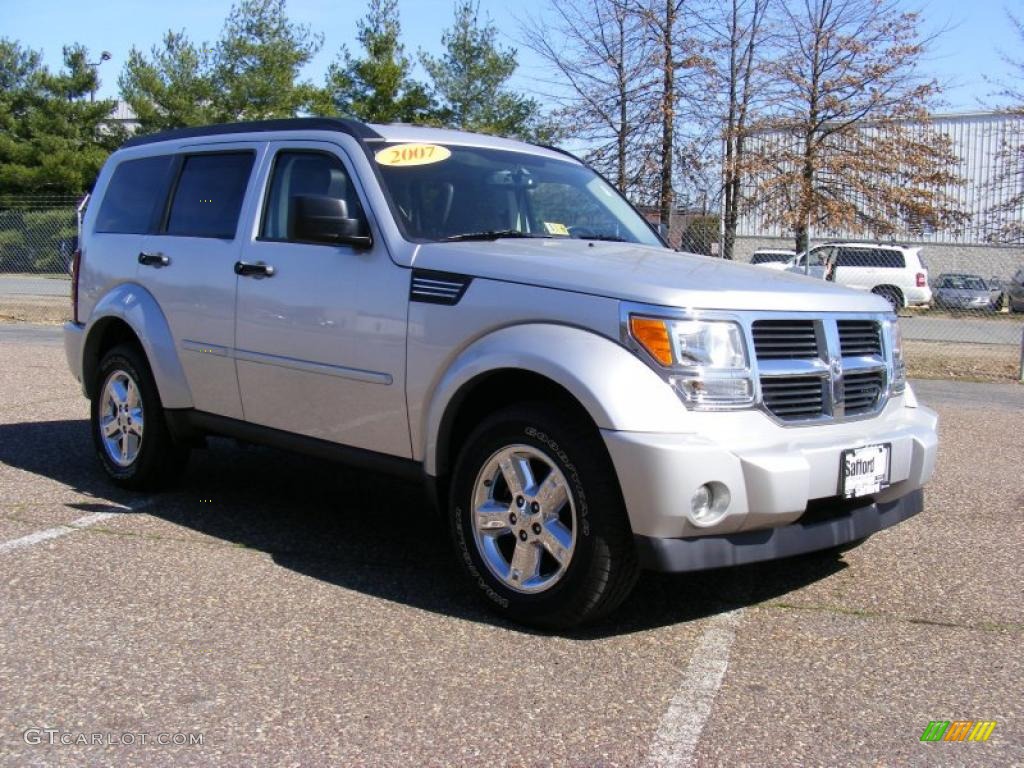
x=209, y=195
x=890, y=259
x=136, y=190
x=865, y=257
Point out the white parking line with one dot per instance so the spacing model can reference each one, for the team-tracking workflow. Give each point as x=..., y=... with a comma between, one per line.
x=63, y=530
x=680, y=728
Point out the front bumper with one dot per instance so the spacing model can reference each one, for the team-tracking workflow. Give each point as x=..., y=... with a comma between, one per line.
x=704, y=552
x=772, y=472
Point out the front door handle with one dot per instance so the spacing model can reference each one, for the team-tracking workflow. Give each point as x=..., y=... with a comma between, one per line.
x=246, y=269
x=154, y=259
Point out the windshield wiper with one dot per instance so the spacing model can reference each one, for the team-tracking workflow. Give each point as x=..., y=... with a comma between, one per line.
x=606, y=238
x=492, y=234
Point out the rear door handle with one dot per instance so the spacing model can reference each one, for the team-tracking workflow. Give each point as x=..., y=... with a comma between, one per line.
x=246, y=269
x=154, y=260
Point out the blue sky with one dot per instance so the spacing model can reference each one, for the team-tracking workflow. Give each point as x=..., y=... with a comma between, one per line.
x=964, y=55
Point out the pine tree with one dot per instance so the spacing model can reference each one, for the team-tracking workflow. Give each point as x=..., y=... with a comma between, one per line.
x=173, y=87
x=55, y=137
x=377, y=87
x=470, y=80
x=257, y=63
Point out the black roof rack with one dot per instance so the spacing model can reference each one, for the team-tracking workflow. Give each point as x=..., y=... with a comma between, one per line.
x=354, y=128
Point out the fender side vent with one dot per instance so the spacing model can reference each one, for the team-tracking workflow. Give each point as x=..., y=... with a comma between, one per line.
x=432, y=287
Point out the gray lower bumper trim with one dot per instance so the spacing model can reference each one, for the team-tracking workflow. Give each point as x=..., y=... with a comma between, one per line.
x=704, y=552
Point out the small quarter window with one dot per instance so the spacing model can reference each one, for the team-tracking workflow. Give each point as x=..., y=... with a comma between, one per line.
x=209, y=195
x=135, y=192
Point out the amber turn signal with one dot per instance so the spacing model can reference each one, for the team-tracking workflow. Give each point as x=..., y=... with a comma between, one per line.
x=653, y=336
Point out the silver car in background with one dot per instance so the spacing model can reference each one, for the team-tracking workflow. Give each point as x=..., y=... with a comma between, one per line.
x=954, y=290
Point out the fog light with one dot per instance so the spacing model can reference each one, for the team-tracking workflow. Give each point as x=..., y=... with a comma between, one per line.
x=709, y=504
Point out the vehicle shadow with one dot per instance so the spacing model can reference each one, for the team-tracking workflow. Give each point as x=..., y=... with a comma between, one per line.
x=365, y=532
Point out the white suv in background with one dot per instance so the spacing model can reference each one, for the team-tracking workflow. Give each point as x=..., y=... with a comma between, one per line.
x=895, y=272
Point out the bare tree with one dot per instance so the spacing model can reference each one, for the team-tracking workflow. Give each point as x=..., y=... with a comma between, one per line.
x=849, y=147
x=1006, y=217
x=682, y=68
x=738, y=31
x=602, y=58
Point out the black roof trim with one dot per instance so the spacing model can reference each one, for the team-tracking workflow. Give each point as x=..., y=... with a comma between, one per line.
x=559, y=150
x=340, y=124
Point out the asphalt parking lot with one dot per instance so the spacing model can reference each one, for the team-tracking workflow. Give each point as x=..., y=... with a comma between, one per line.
x=289, y=612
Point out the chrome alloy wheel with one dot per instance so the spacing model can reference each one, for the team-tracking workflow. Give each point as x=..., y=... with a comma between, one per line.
x=121, y=418
x=524, y=519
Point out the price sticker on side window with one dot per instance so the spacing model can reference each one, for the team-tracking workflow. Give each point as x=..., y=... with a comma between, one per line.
x=863, y=471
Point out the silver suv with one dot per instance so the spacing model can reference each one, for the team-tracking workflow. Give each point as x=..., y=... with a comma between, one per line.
x=494, y=319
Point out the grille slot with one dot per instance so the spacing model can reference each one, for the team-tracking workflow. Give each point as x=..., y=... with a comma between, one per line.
x=860, y=338
x=438, y=287
x=785, y=339
x=794, y=397
x=862, y=391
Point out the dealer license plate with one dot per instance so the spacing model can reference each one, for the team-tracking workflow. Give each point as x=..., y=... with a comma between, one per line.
x=864, y=471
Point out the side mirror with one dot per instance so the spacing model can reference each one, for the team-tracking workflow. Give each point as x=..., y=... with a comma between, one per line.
x=323, y=219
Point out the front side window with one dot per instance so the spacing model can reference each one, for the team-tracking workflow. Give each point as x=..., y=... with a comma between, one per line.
x=136, y=190
x=452, y=192
x=299, y=173
x=209, y=195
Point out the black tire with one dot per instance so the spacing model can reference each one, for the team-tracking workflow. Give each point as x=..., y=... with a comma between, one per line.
x=603, y=567
x=892, y=295
x=159, y=459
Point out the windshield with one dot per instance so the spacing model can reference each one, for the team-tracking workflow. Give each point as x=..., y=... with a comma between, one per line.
x=448, y=193
x=963, y=283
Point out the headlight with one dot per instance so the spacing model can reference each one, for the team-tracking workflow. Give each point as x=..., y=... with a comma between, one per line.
x=706, y=360
x=899, y=367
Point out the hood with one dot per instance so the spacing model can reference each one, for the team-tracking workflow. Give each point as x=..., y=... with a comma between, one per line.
x=644, y=274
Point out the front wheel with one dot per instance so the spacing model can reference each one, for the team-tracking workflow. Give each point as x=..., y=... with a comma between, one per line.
x=538, y=520
x=130, y=434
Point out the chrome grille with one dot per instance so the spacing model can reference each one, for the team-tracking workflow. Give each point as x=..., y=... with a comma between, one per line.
x=785, y=339
x=794, y=397
x=860, y=338
x=862, y=391
x=820, y=368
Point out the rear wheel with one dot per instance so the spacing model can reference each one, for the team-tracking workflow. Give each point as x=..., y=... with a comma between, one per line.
x=890, y=294
x=538, y=519
x=128, y=427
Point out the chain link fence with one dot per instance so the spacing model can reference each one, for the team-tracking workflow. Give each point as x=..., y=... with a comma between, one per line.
x=961, y=305
x=38, y=237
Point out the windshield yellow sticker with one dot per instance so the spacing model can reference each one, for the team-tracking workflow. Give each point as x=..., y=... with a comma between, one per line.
x=412, y=154
x=555, y=228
